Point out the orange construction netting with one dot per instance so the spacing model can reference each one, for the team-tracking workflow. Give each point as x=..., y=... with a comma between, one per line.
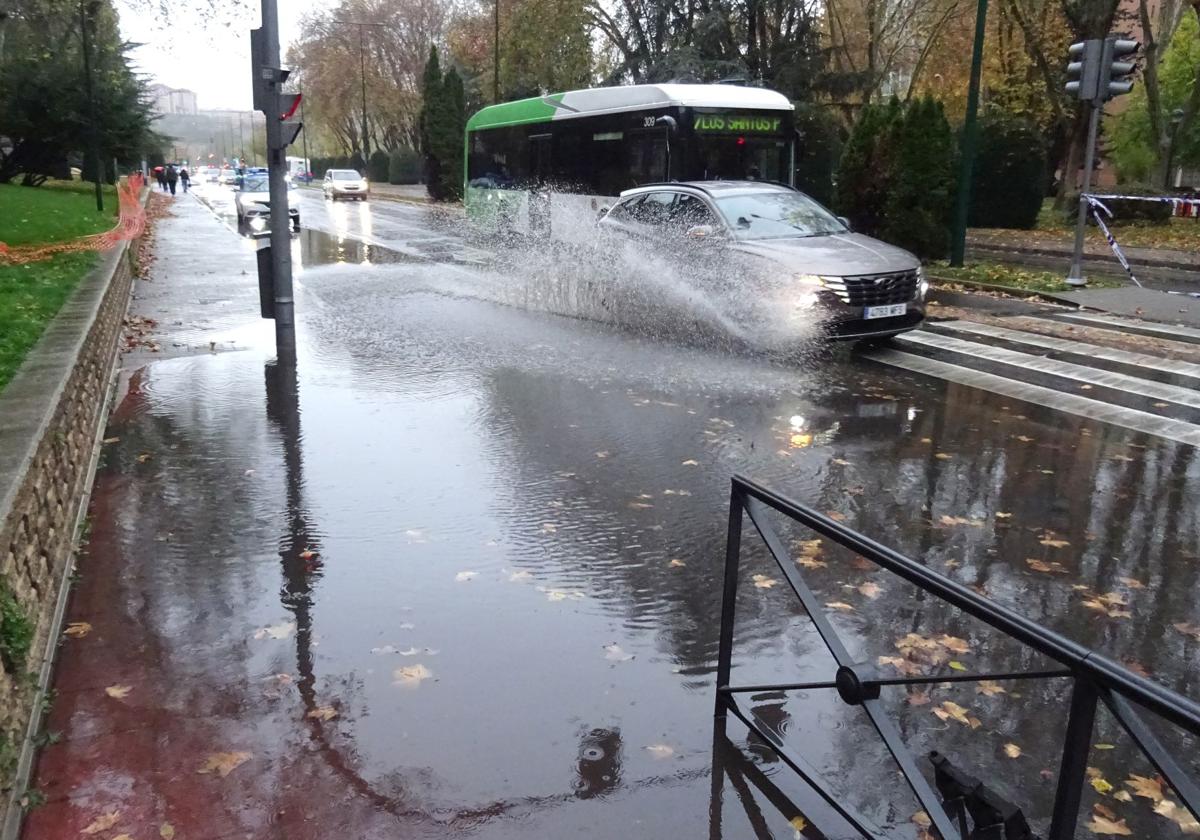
x=130, y=224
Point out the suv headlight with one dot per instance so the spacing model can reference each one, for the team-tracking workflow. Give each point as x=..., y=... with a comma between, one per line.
x=922, y=282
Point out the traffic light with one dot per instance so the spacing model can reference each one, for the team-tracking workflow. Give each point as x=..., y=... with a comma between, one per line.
x=288, y=103
x=1084, y=69
x=1116, y=74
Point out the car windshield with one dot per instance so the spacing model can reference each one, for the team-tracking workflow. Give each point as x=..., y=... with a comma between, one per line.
x=344, y=175
x=775, y=215
x=255, y=183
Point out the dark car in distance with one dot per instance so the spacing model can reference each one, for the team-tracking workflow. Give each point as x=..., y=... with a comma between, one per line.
x=797, y=258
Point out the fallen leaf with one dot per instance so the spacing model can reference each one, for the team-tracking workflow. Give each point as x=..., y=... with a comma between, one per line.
x=307, y=554
x=102, y=823
x=1180, y=816
x=518, y=576
x=836, y=516
x=1188, y=629
x=990, y=688
x=871, y=590
x=166, y=831
x=561, y=594
x=943, y=456
x=1043, y=566
x=411, y=675
x=1102, y=809
x=1012, y=751
x=77, y=629
x=763, y=582
x=144, y=457
x=1132, y=583
x=278, y=631
x=841, y=462
x=1000, y=515
x=1145, y=787
x=839, y=605
x=323, y=713
x=465, y=576
x=921, y=820
x=798, y=824
x=118, y=692
x=660, y=751
x=1103, y=747
x=949, y=710
x=1103, y=825
x=1123, y=796
x=690, y=462
x=111, y=440
x=1101, y=784
x=1024, y=438
x=676, y=563
x=602, y=454
x=614, y=653
x=953, y=643
x=1053, y=543
x=919, y=698
x=224, y=763
x=956, y=665
x=810, y=562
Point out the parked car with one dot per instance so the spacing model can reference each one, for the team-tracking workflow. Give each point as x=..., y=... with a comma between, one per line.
x=228, y=177
x=253, y=203
x=793, y=255
x=345, y=183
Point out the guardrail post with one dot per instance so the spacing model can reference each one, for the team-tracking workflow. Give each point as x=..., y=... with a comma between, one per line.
x=733, y=548
x=1073, y=770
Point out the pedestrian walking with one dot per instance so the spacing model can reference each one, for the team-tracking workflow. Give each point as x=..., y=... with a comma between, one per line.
x=185, y=178
x=172, y=177
x=162, y=180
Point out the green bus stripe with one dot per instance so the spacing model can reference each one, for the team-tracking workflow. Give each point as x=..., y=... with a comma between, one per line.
x=521, y=112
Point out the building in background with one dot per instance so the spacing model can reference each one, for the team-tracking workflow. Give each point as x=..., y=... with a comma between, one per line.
x=169, y=100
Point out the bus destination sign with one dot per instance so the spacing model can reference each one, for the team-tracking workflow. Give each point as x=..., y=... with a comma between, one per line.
x=738, y=123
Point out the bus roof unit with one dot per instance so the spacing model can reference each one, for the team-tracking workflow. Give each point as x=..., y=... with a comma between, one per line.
x=611, y=100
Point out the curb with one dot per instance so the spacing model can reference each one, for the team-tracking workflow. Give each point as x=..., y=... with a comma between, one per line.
x=1012, y=291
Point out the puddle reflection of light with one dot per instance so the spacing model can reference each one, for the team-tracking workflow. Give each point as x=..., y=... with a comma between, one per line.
x=297, y=257
x=796, y=421
x=365, y=231
x=800, y=441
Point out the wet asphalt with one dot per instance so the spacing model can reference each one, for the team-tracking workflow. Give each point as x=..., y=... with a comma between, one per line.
x=457, y=572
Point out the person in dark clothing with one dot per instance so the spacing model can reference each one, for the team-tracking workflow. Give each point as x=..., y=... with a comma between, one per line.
x=184, y=177
x=172, y=177
x=162, y=180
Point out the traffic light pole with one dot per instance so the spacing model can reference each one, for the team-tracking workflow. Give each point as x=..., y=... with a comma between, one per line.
x=281, y=222
x=958, y=242
x=1075, y=276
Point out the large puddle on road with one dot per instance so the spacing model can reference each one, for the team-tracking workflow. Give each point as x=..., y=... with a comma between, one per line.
x=466, y=563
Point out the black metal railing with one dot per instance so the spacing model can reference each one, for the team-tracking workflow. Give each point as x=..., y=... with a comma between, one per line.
x=1093, y=677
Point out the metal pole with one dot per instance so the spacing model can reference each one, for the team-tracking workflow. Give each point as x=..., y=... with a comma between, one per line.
x=281, y=240
x=958, y=244
x=362, y=66
x=496, y=52
x=1075, y=276
x=1073, y=768
x=94, y=150
x=242, y=135
x=304, y=132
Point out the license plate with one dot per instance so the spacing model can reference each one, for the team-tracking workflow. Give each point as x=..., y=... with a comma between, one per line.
x=890, y=311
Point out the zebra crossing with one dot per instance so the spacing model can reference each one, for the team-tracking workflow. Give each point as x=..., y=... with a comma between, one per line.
x=1139, y=391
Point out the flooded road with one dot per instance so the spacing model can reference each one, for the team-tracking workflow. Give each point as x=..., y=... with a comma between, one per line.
x=458, y=573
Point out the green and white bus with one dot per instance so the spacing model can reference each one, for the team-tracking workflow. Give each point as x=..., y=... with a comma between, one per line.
x=545, y=164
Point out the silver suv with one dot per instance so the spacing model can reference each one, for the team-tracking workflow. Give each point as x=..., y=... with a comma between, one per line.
x=791, y=252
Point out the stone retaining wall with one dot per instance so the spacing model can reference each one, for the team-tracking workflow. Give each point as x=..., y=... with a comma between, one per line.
x=50, y=416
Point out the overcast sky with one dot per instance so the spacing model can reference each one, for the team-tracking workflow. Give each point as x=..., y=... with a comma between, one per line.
x=211, y=59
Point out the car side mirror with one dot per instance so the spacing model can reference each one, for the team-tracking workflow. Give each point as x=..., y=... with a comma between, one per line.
x=700, y=232
x=603, y=213
x=845, y=222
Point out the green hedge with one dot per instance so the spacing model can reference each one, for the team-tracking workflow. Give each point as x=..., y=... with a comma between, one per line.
x=1009, y=176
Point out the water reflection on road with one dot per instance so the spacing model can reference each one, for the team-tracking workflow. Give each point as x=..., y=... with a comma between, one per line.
x=499, y=535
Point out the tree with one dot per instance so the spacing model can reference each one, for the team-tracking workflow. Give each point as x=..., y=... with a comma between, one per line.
x=864, y=173
x=1008, y=179
x=817, y=150
x=546, y=47
x=432, y=94
x=921, y=181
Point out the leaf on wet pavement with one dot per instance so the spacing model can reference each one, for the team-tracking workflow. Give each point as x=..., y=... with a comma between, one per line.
x=836, y=516
x=1054, y=543
x=839, y=605
x=118, y=692
x=144, y=457
x=323, y=713
x=919, y=698
x=1012, y=750
x=1043, y=566
x=561, y=594
x=676, y=563
x=519, y=576
x=690, y=462
x=901, y=664
x=798, y=825
x=602, y=454
x=990, y=688
x=1100, y=784
x=1132, y=583
x=1024, y=439
x=462, y=577
x=1145, y=787
x=841, y=462
x=949, y=710
x=921, y=820
x=943, y=456
x=1180, y=816
x=870, y=589
x=77, y=629
x=1098, y=604
x=764, y=582
x=954, y=644
x=1002, y=515
x=307, y=554
x=660, y=751
x=956, y=665
x=111, y=440
x=166, y=831
x=1188, y=629
x=810, y=562
x=614, y=653
x=102, y=823
x=278, y=631
x=1123, y=796
x=224, y=763
x=1100, y=824
x=412, y=675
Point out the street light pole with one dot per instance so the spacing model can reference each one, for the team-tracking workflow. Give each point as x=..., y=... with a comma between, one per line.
x=362, y=69
x=94, y=145
x=281, y=221
x=958, y=243
x=242, y=135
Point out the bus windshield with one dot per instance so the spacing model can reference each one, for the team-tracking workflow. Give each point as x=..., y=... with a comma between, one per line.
x=737, y=158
